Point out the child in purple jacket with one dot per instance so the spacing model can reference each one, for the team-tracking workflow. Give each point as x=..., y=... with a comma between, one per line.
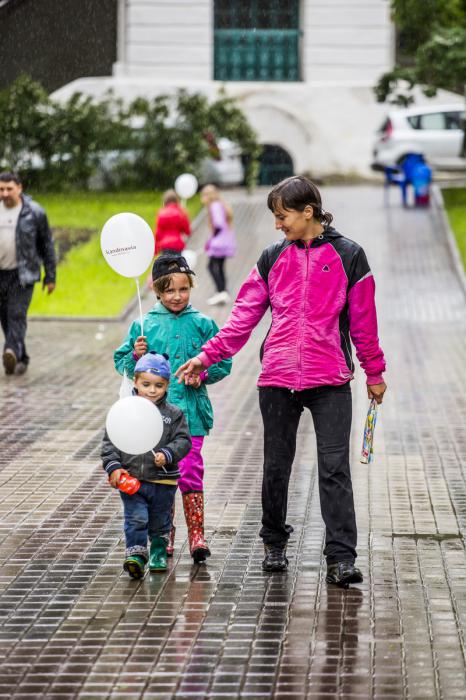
x=221, y=244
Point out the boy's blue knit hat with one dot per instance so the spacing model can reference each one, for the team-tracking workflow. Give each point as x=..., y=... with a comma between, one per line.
x=154, y=364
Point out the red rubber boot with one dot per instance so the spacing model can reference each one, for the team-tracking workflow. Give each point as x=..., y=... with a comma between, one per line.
x=193, y=504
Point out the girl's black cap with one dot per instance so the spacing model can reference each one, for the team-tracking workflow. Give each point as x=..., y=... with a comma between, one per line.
x=168, y=264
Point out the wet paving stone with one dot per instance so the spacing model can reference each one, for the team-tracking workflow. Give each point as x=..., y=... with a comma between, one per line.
x=72, y=625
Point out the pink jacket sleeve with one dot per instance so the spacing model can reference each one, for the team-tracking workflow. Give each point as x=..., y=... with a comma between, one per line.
x=363, y=328
x=250, y=305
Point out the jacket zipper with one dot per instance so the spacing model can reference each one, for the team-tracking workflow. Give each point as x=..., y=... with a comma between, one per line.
x=303, y=315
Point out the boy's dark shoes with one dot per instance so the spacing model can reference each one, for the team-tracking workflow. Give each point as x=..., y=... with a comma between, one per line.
x=343, y=573
x=9, y=361
x=135, y=566
x=275, y=558
x=21, y=368
x=158, y=554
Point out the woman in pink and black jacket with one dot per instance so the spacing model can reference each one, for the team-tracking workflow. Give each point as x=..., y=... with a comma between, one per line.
x=320, y=289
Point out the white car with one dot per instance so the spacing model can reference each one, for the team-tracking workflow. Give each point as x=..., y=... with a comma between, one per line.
x=228, y=170
x=435, y=131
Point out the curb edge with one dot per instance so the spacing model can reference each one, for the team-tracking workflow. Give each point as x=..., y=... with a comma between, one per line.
x=449, y=235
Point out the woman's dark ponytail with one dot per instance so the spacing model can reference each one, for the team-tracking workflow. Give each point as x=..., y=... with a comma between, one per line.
x=326, y=218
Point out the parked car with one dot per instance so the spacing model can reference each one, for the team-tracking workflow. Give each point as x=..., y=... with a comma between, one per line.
x=227, y=170
x=435, y=131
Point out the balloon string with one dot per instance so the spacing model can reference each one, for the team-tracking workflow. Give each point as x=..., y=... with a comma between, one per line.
x=162, y=464
x=140, y=305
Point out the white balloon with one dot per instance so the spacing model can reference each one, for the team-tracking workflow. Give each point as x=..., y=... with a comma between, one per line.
x=126, y=386
x=134, y=425
x=191, y=257
x=127, y=244
x=186, y=185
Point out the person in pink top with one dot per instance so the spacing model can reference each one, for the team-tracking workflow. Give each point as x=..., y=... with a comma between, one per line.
x=171, y=226
x=320, y=289
x=222, y=242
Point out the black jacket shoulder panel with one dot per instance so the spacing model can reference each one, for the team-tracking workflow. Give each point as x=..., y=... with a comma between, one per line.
x=352, y=257
x=269, y=257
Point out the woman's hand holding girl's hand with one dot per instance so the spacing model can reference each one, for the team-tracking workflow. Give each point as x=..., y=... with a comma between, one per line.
x=189, y=371
x=115, y=476
x=140, y=346
x=376, y=391
x=160, y=459
x=194, y=381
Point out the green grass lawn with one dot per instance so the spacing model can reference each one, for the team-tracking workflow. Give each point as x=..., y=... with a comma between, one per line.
x=86, y=285
x=455, y=204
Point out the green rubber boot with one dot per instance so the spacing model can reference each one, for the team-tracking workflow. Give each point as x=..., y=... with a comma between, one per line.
x=135, y=566
x=158, y=554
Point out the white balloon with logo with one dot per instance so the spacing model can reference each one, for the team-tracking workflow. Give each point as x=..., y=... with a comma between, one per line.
x=127, y=244
x=134, y=425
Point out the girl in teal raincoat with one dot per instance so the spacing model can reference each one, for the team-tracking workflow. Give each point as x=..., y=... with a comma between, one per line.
x=174, y=327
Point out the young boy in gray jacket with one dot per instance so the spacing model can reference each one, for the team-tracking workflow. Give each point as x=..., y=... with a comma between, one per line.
x=148, y=511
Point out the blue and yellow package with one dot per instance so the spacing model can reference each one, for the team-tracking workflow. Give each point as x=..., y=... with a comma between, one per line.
x=367, y=452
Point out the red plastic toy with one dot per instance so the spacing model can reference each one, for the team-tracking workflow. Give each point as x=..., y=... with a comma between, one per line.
x=129, y=484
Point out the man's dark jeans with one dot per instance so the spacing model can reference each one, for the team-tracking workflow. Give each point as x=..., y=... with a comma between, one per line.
x=14, y=305
x=331, y=411
x=147, y=515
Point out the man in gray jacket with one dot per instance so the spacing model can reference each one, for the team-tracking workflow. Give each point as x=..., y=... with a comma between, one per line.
x=25, y=244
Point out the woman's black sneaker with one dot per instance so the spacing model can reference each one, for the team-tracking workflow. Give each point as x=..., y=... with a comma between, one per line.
x=343, y=573
x=9, y=361
x=275, y=558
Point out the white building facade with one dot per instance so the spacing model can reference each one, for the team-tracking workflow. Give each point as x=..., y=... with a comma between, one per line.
x=302, y=70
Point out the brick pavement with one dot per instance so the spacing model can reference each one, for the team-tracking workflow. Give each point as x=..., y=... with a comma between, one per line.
x=72, y=625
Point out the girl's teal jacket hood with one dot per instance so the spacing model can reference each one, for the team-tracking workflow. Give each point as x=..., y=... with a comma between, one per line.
x=181, y=337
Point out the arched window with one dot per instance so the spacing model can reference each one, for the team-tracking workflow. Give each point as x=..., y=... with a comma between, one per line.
x=275, y=165
x=256, y=40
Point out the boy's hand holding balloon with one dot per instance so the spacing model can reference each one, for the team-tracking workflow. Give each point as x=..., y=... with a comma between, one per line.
x=160, y=459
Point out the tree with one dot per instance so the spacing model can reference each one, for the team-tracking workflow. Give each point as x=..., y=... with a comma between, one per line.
x=227, y=119
x=439, y=63
x=25, y=109
x=147, y=143
x=433, y=39
x=171, y=134
x=417, y=21
x=52, y=145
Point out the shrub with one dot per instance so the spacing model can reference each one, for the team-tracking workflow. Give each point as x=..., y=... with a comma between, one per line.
x=148, y=142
